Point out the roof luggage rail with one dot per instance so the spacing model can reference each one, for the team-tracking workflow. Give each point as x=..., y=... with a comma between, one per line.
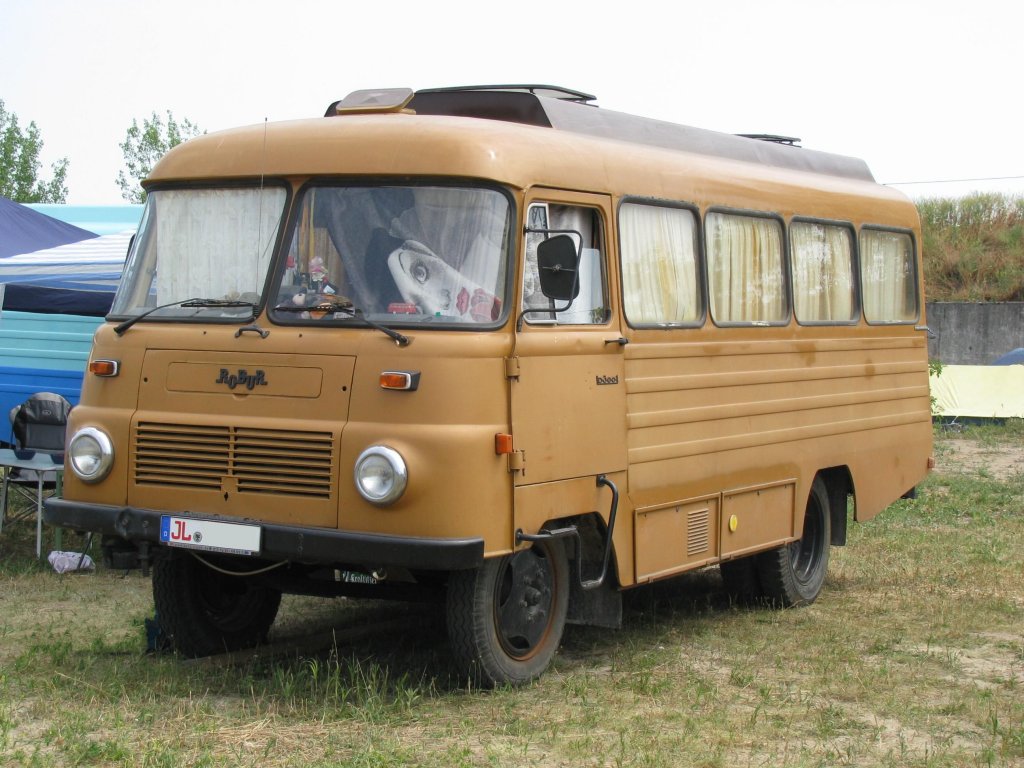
x=549, y=91
x=789, y=141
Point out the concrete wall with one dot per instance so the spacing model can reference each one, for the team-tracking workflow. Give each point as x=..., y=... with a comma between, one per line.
x=974, y=334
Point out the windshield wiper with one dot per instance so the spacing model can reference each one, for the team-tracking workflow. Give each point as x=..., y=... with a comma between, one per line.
x=345, y=306
x=203, y=303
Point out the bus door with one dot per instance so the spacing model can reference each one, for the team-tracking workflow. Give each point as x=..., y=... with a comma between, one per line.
x=568, y=389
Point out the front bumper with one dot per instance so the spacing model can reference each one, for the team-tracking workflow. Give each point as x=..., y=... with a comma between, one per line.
x=282, y=542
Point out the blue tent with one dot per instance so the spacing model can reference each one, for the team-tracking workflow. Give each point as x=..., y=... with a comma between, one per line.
x=56, y=283
x=1016, y=357
x=75, y=279
x=23, y=230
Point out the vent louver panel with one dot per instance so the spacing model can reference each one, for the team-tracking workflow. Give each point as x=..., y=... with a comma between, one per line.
x=697, y=538
x=269, y=461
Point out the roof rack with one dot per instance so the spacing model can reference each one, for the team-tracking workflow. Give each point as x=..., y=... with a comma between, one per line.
x=565, y=109
x=789, y=141
x=548, y=91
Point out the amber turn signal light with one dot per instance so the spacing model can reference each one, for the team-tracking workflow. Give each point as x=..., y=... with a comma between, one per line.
x=502, y=444
x=403, y=381
x=105, y=368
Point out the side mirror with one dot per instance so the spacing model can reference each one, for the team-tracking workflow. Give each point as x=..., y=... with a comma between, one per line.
x=558, y=264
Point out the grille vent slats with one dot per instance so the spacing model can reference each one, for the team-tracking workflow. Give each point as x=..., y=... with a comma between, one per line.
x=264, y=461
x=697, y=532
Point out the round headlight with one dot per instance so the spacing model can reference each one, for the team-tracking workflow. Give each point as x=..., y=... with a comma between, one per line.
x=380, y=475
x=90, y=454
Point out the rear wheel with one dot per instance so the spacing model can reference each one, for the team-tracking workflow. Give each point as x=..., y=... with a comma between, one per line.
x=202, y=611
x=506, y=618
x=795, y=573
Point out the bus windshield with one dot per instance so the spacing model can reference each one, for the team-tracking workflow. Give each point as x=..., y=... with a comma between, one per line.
x=396, y=254
x=202, y=253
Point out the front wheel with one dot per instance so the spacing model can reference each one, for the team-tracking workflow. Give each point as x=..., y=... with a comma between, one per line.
x=506, y=618
x=795, y=573
x=203, y=611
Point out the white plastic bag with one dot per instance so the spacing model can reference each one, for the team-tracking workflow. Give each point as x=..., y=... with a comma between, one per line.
x=63, y=562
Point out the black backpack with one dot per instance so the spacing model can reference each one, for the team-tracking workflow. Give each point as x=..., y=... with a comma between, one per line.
x=40, y=422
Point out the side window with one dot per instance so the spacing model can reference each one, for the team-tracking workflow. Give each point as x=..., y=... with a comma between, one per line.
x=660, y=274
x=822, y=261
x=745, y=272
x=584, y=226
x=888, y=276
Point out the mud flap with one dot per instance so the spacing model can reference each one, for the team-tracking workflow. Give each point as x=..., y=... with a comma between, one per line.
x=601, y=607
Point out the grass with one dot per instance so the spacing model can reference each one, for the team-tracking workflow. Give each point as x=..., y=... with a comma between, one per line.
x=913, y=656
x=973, y=247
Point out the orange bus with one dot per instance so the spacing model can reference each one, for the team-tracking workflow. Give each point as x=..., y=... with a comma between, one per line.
x=499, y=346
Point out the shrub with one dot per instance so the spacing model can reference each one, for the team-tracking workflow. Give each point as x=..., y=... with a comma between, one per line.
x=973, y=247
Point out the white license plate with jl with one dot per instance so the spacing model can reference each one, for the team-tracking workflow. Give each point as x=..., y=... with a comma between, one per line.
x=210, y=535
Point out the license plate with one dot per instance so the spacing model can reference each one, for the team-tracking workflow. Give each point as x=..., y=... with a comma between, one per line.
x=213, y=536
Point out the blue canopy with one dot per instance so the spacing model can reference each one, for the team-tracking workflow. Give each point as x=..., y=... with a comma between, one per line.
x=23, y=230
x=1016, y=357
x=74, y=279
x=25, y=297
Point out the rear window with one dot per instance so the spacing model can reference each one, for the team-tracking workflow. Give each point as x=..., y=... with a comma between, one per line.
x=888, y=276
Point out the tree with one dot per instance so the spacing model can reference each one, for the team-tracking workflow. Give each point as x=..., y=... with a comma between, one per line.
x=19, y=164
x=144, y=145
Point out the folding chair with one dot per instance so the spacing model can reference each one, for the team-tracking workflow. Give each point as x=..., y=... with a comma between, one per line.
x=37, y=427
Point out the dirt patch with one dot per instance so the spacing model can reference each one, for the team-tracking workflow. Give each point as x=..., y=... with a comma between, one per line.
x=966, y=456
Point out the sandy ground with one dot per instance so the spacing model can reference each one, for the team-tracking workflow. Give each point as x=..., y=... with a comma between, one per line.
x=957, y=455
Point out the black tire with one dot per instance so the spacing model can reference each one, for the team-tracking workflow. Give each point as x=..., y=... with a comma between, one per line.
x=741, y=580
x=506, y=618
x=202, y=611
x=794, y=574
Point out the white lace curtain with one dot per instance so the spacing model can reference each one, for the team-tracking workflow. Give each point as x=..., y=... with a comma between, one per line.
x=215, y=243
x=887, y=277
x=822, y=263
x=464, y=227
x=659, y=265
x=745, y=275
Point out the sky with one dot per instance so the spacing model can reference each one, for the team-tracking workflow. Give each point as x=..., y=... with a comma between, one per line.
x=923, y=90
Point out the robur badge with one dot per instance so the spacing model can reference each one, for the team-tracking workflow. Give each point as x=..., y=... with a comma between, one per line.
x=242, y=378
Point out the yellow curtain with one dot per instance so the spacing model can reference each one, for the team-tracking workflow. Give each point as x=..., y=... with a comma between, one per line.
x=887, y=277
x=659, y=265
x=822, y=262
x=745, y=274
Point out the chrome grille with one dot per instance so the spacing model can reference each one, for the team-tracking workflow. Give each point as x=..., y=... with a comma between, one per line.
x=271, y=461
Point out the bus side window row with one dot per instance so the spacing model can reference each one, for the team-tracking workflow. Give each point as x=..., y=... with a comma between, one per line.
x=746, y=269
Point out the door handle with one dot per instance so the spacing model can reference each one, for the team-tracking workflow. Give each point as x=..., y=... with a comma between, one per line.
x=621, y=341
